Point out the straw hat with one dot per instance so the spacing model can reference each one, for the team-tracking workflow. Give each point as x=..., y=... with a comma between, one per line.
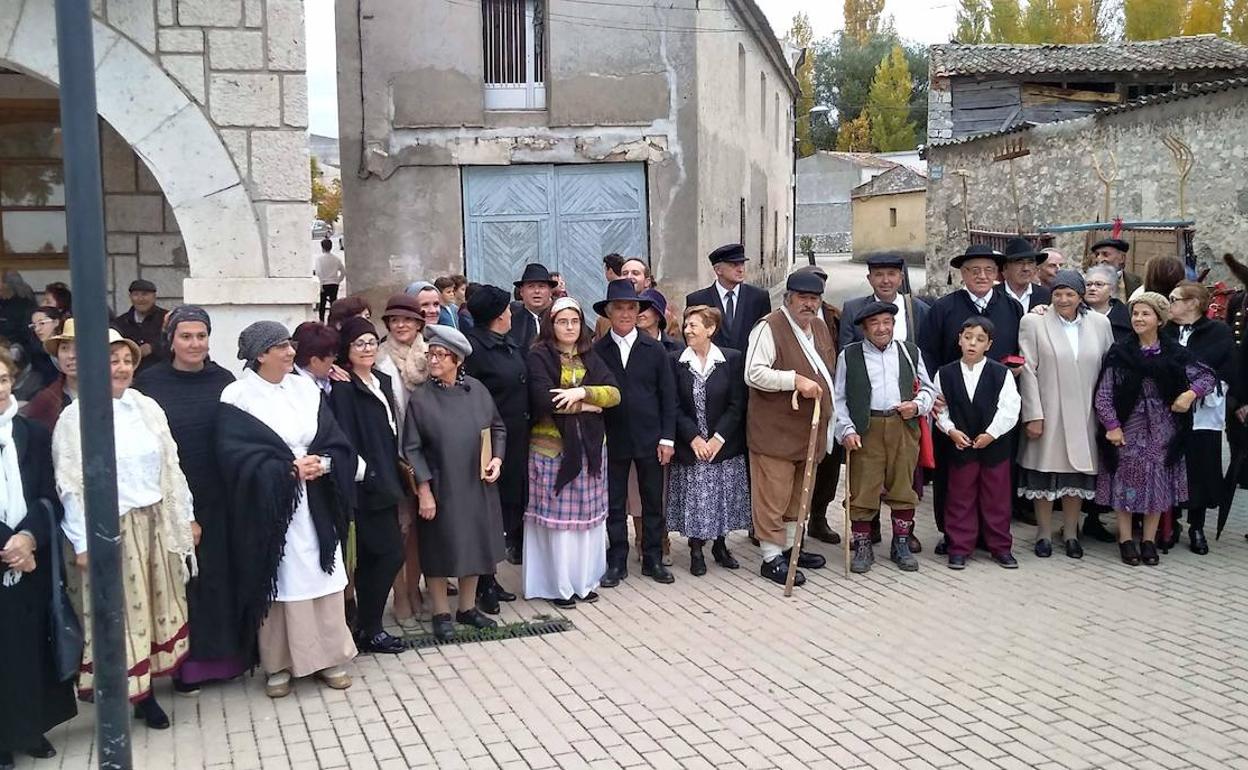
x=52, y=344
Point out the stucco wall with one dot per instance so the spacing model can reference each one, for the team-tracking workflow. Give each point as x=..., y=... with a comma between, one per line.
x=1057, y=182
x=874, y=233
x=824, y=183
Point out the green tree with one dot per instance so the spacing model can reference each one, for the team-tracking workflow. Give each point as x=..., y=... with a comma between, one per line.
x=888, y=104
x=1039, y=23
x=1205, y=17
x=1237, y=21
x=1004, y=22
x=326, y=197
x=972, y=22
x=843, y=74
x=1152, y=19
x=801, y=35
x=862, y=19
x=855, y=135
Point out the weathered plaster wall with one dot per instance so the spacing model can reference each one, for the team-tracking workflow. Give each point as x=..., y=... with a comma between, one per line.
x=1058, y=184
x=874, y=233
x=824, y=183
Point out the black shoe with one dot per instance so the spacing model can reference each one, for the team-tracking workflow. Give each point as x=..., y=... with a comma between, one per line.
x=503, y=594
x=1073, y=549
x=151, y=713
x=474, y=618
x=1006, y=560
x=515, y=555
x=722, y=556
x=182, y=688
x=44, y=750
x=915, y=545
x=588, y=598
x=564, y=604
x=487, y=602
x=443, y=627
x=381, y=642
x=900, y=553
x=659, y=573
x=1196, y=541
x=942, y=546
x=1044, y=548
x=1148, y=553
x=819, y=530
x=957, y=561
x=612, y=577
x=1093, y=528
x=6, y=760
x=452, y=589
x=1130, y=556
x=806, y=559
x=697, y=563
x=777, y=571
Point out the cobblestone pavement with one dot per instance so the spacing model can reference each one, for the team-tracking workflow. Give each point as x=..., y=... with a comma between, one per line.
x=1060, y=664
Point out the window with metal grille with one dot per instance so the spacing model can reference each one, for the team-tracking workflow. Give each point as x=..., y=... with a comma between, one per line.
x=512, y=37
x=32, y=190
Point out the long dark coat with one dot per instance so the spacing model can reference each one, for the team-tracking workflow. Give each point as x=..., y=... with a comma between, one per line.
x=363, y=419
x=502, y=366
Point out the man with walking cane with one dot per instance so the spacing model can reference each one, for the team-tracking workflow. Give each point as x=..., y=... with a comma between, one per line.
x=790, y=350
x=881, y=391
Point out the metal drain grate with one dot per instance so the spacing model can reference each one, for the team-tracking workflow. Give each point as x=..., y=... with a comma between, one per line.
x=540, y=626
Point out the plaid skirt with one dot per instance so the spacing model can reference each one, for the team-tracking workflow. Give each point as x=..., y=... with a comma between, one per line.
x=581, y=505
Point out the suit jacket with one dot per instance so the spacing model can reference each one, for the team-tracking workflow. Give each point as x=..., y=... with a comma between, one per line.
x=938, y=339
x=522, y=331
x=647, y=410
x=850, y=332
x=752, y=304
x=1040, y=295
x=726, y=397
x=362, y=418
x=149, y=332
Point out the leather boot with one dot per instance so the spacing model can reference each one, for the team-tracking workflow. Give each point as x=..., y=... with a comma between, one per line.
x=864, y=555
x=1196, y=541
x=697, y=562
x=900, y=553
x=722, y=556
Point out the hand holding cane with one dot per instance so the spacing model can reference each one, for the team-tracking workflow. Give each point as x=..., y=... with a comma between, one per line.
x=803, y=511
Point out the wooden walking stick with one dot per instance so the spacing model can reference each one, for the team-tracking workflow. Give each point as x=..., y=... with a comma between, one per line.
x=849, y=529
x=808, y=483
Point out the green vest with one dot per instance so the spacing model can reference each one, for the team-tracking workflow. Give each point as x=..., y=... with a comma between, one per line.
x=858, y=384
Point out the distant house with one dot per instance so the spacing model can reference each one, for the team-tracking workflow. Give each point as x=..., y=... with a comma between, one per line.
x=979, y=89
x=825, y=181
x=889, y=214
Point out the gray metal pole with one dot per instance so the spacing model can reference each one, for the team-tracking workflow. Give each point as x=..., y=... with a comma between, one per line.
x=84, y=205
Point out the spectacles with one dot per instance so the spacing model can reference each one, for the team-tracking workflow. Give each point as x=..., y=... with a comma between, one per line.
x=980, y=271
x=37, y=324
x=437, y=355
x=284, y=345
x=364, y=345
x=1098, y=284
x=1178, y=299
x=568, y=322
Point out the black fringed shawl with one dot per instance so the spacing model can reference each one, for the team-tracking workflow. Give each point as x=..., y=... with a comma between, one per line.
x=259, y=468
x=578, y=431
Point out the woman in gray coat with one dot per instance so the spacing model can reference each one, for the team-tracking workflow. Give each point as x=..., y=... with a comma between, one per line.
x=1063, y=350
x=460, y=521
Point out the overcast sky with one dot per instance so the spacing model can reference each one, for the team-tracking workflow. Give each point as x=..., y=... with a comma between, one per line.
x=917, y=20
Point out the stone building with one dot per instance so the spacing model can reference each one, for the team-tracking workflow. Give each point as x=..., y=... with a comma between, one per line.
x=1055, y=168
x=824, y=207
x=478, y=135
x=890, y=215
x=203, y=116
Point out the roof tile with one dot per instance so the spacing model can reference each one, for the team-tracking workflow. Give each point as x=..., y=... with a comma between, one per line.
x=1198, y=52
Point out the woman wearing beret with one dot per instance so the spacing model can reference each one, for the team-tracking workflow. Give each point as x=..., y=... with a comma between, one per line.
x=291, y=476
x=708, y=492
x=188, y=388
x=1058, y=463
x=1144, y=399
x=499, y=363
x=1211, y=343
x=653, y=320
x=450, y=426
x=565, y=533
x=364, y=408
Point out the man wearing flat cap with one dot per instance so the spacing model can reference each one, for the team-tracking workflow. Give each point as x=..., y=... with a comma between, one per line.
x=144, y=322
x=886, y=274
x=790, y=350
x=740, y=304
x=535, y=287
x=1113, y=252
x=882, y=390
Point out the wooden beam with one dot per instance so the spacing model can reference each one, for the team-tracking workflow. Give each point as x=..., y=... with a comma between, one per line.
x=1040, y=94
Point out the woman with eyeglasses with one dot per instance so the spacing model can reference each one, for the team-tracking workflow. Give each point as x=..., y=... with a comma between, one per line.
x=1211, y=343
x=451, y=427
x=1101, y=284
x=364, y=407
x=45, y=323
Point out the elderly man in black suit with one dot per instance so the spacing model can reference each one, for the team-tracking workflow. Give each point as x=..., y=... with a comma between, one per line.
x=1021, y=270
x=886, y=274
x=641, y=432
x=740, y=304
x=535, y=287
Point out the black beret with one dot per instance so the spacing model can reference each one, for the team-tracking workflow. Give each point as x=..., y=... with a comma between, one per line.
x=872, y=309
x=804, y=282
x=488, y=303
x=142, y=284
x=886, y=260
x=732, y=252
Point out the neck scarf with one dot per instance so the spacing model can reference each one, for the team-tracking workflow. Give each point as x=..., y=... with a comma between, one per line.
x=409, y=360
x=12, y=497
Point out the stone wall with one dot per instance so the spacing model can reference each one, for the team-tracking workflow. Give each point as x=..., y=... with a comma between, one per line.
x=1057, y=183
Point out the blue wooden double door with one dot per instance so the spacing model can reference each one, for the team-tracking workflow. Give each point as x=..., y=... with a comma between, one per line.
x=566, y=217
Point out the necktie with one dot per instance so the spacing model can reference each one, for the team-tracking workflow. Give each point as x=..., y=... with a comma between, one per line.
x=980, y=304
x=730, y=310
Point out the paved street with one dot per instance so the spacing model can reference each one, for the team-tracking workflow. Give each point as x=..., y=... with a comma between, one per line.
x=1060, y=664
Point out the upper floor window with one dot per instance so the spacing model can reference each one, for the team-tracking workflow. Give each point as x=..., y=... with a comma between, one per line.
x=32, y=191
x=512, y=35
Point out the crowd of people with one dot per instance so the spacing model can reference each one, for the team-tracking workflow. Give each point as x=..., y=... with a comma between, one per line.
x=269, y=514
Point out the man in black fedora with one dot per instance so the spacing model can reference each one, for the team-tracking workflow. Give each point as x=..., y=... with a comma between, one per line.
x=1018, y=276
x=641, y=431
x=535, y=287
x=1113, y=252
x=740, y=304
x=980, y=266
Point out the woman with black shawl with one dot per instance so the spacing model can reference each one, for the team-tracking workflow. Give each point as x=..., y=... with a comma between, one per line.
x=188, y=388
x=292, y=476
x=1144, y=400
x=565, y=530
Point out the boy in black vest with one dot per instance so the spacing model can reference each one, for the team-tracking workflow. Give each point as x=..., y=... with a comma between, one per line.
x=881, y=392
x=982, y=405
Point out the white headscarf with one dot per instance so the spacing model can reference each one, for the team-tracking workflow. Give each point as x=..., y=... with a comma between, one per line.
x=12, y=496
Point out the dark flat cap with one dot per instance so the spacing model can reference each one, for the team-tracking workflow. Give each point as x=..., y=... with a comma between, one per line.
x=804, y=282
x=142, y=284
x=488, y=303
x=874, y=309
x=978, y=251
x=886, y=260
x=732, y=252
x=1115, y=243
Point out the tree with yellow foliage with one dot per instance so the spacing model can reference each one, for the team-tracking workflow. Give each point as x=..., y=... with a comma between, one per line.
x=888, y=104
x=855, y=135
x=1152, y=19
x=801, y=35
x=1237, y=21
x=1205, y=17
x=862, y=19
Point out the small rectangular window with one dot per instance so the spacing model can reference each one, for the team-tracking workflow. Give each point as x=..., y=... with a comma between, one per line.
x=512, y=38
x=741, y=79
x=892, y=217
x=762, y=102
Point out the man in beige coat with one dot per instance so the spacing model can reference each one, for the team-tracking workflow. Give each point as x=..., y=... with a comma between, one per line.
x=1063, y=350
